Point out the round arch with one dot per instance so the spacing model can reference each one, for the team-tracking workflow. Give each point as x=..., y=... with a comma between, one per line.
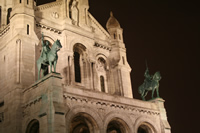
x=46, y=37
x=83, y=118
x=116, y=122
x=82, y=42
x=145, y=125
x=33, y=126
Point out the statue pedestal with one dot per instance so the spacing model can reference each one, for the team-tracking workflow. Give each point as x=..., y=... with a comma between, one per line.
x=163, y=114
x=47, y=96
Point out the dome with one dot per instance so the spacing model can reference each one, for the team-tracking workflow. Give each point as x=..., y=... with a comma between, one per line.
x=112, y=22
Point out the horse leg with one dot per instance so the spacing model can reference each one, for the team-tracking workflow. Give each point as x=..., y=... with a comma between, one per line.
x=152, y=96
x=157, y=92
x=54, y=65
x=142, y=95
x=50, y=63
x=145, y=94
x=39, y=69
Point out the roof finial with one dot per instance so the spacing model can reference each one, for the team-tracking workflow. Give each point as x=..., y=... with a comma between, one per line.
x=111, y=14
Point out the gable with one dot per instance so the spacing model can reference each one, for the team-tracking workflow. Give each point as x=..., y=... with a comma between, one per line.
x=51, y=11
x=97, y=28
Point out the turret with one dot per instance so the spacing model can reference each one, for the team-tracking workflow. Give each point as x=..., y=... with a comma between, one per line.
x=118, y=60
x=115, y=30
x=22, y=28
x=22, y=17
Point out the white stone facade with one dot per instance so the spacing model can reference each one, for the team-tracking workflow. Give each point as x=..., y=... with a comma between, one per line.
x=92, y=93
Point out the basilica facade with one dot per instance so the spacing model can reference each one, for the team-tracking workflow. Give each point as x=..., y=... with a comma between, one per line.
x=90, y=92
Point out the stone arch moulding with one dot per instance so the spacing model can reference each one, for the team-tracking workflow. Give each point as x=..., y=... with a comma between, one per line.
x=147, y=122
x=46, y=37
x=27, y=121
x=123, y=119
x=33, y=126
x=83, y=42
x=101, y=55
x=90, y=114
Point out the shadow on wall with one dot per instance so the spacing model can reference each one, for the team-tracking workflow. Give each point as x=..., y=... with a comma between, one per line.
x=41, y=2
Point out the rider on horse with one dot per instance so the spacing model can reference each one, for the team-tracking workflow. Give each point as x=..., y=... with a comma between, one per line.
x=148, y=78
x=45, y=49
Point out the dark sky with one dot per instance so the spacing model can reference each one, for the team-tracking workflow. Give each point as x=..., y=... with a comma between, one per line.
x=166, y=34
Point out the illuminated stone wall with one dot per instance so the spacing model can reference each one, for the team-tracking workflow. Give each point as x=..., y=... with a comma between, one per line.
x=93, y=91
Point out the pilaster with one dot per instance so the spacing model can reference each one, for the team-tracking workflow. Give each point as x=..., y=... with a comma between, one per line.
x=163, y=114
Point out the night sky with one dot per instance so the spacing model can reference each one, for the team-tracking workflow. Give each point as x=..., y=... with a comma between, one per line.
x=166, y=34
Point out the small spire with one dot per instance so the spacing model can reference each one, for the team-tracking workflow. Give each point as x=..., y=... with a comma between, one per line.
x=111, y=14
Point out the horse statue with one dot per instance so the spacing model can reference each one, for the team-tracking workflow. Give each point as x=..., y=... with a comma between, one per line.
x=150, y=85
x=48, y=57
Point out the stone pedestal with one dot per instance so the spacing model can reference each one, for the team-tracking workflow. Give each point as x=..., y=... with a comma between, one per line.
x=163, y=114
x=50, y=107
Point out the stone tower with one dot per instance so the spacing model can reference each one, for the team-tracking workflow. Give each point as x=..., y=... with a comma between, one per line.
x=91, y=91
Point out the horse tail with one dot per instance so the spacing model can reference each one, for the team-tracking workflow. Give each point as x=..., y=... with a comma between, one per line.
x=140, y=89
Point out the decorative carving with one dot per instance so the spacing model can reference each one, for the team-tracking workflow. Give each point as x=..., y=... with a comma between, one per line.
x=48, y=28
x=101, y=104
x=55, y=15
x=49, y=5
x=32, y=101
x=102, y=46
x=74, y=12
x=100, y=65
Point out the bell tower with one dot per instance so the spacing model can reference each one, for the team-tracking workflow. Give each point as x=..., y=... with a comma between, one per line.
x=17, y=44
x=22, y=25
x=118, y=60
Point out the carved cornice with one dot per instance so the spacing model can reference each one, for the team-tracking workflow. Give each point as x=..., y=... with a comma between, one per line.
x=102, y=46
x=49, y=5
x=111, y=105
x=39, y=25
x=34, y=101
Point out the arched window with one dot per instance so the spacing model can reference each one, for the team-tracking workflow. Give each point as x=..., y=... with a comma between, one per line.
x=102, y=84
x=83, y=123
x=33, y=127
x=8, y=15
x=79, y=56
x=123, y=60
x=145, y=128
x=77, y=67
x=27, y=29
x=117, y=126
x=114, y=36
x=119, y=37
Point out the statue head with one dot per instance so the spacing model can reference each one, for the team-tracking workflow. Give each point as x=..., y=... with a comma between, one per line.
x=47, y=42
x=157, y=76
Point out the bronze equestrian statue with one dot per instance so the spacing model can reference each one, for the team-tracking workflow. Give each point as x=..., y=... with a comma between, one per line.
x=151, y=83
x=48, y=57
